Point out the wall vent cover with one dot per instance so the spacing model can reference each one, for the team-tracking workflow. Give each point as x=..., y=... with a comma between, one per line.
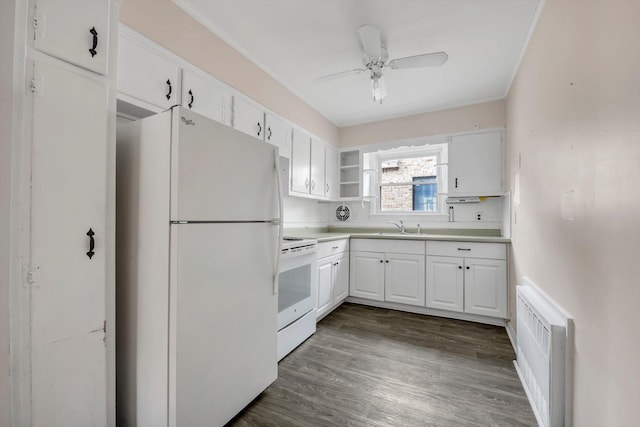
x=342, y=213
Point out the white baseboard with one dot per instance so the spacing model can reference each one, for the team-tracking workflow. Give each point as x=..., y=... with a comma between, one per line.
x=529, y=397
x=512, y=337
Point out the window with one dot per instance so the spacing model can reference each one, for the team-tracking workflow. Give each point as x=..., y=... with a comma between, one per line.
x=408, y=179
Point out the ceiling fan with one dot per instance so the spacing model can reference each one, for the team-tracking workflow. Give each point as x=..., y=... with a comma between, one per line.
x=376, y=57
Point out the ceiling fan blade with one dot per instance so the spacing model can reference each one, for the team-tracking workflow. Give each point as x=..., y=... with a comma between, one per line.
x=371, y=41
x=417, y=61
x=330, y=77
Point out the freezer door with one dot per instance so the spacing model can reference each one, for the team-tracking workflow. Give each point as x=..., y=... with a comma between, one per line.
x=219, y=173
x=223, y=328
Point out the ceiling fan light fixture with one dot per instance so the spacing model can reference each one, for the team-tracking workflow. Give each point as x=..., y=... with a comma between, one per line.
x=378, y=88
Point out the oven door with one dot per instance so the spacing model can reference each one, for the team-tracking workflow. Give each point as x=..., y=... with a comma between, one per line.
x=297, y=287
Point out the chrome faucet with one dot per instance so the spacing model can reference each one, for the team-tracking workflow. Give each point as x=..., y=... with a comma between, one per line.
x=400, y=226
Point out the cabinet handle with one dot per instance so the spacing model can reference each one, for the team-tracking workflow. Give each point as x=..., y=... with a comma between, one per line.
x=92, y=243
x=313, y=184
x=327, y=188
x=459, y=267
x=381, y=261
x=387, y=261
x=269, y=134
x=94, y=34
x=456, y=183
x=168, y=95
x=259, y=128
x=192, y=98
x=306, y=183
x=464, y=249
x=468, y=267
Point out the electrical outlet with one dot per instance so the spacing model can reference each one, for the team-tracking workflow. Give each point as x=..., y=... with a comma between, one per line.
x=476, y=126
x=479, y=216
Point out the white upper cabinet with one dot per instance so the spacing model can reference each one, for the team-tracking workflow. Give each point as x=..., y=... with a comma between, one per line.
x=300, y=161
x=317, y=168
x=278, y=133
x=331, y=186
x=205, y=95
x=76, y=31
x=248, y=117
x=147, y=75
x=475, y=165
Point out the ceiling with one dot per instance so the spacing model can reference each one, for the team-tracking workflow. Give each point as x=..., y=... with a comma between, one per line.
x=296, y=41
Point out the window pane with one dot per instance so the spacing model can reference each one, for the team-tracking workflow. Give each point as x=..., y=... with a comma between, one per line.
x=425, y=196
x=396, y=198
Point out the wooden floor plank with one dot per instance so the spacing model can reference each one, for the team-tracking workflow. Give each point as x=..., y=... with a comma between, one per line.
x=369, y=366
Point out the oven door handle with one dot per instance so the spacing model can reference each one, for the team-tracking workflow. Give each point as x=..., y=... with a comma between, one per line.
x=276, y=272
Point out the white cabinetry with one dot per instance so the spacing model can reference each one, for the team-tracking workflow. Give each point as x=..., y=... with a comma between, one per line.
x=300, y=161
x=248, y=117
x=278, y=133
x=388, y=270
x=205, y=95
x=68, y=294
x=145, y=75
x=475, y=165
x=331, y=186
x=333, y=275
x=317, y=187
x=76, y=31
x=467, y=277
x=350, y=174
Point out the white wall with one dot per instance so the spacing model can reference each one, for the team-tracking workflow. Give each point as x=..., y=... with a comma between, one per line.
x=573, y=117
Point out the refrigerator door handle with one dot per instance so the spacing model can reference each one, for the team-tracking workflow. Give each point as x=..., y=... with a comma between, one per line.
x=276, y=272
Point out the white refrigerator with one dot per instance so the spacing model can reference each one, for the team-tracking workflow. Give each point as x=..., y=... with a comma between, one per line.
x=198, y=240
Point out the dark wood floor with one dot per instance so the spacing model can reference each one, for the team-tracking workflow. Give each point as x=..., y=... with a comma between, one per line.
x=368, y=366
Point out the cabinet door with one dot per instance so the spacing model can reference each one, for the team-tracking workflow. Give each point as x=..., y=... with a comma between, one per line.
x=146, y=75
x=475, y=164
x=248, y=117
x=325, y=280
x=331, y=186
x=278, y=133
x=317, y=167
x=300, y=160
x=68, y=215
x=404, y=278
x=485, y=287
x=445, y=283
x=367, y=275
x=206, y=96
x=76, y=31
x=340, y=278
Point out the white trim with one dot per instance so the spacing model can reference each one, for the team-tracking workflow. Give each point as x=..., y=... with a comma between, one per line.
x=429, y=311
x=512, y=337
x=525, y=45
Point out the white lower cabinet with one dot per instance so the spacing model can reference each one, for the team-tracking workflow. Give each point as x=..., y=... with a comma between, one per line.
x=388, y=270
x=333, y=275
x=475, y=283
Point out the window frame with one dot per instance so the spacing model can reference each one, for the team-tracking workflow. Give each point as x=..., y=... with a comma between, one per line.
x=399, y=153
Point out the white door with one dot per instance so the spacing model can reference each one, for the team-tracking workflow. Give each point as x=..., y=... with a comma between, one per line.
x=278, y=133
x=317, y=167
x=331, y=186
x=341, y=278
x=367, y=275
x=248, y=118
x=404, y=278
x=325, y=282
x=485, y=287
x=80, y=37
x=146, y=75
x=445, y=283
x=300, y=161
x=206, y=96
x=223, y=325
x=220, y=174
x=68, y=202
x=475, y=164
